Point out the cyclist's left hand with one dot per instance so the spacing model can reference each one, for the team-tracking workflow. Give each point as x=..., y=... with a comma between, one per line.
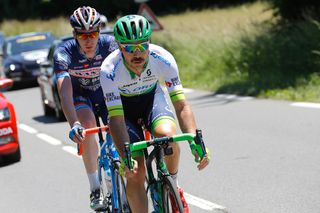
x=76, y=133
x=205, y=160
x=125, y=171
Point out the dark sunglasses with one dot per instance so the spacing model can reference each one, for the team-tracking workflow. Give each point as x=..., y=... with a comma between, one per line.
x=87, y=35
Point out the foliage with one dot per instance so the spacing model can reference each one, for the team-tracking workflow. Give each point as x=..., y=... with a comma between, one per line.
x=48, y=9
x=248, y=53
x=296, y=9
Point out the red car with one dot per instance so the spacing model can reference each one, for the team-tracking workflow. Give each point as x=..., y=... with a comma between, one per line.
x=9, y=143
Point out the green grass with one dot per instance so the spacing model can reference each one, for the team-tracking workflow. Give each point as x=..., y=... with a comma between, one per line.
x=241, y=50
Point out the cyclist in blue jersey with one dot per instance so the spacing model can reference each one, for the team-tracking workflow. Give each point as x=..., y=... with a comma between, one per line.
x=130, y=81
x=77, y=67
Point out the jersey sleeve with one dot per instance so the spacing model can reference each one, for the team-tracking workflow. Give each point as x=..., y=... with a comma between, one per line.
x=113, y=45
x=110, y=89
x=170, y=74
x=61, y=61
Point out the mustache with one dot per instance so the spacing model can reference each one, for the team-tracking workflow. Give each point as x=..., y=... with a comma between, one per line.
x=137, y=59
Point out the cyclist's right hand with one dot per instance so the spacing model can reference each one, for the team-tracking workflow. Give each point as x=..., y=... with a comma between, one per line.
x=76, y=133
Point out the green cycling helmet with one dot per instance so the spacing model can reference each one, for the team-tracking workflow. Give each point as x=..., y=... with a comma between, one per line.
x=132, y=28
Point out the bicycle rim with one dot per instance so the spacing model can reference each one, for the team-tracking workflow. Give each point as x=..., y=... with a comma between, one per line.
x=121, y=194
x=104, y=190
x=170, y=189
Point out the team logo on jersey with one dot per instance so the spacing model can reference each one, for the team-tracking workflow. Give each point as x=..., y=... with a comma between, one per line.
x=110, y=76
x=111, y=97
x=98, y=57
x=86, y=73
x=175, y=81
x=156, y=56
x=168, y=84
x=82, y=60
x=84, y=81
x=148, y=72
x=113, y=46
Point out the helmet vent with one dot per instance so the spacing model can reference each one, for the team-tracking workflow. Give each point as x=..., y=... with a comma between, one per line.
x=119, y=31
x=134, y=30
x=140, y=27
x=126, y=30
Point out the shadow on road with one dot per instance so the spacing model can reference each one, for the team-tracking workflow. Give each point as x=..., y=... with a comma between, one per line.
x=4, y=163
x=217, y=99
x=47, y=119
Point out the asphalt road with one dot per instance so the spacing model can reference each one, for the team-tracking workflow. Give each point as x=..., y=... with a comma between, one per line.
x=266, y=159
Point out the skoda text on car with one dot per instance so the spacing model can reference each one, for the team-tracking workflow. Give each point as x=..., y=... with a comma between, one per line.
x=23, y=53
x=46, y=80
x=9, y=143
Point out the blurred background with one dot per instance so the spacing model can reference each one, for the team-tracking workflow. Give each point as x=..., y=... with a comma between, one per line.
x=265, y=48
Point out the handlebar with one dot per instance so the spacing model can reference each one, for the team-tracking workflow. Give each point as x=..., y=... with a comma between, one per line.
x=92, y=131
x=196, y=144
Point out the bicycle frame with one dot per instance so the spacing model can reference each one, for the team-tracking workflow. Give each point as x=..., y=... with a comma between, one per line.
x=108, y=163
x=109, y=157
x=154, y=183
x=161, y=147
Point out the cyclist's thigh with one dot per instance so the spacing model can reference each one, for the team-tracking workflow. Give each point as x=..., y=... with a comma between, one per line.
x=84, y=111
x=159, y=113
x=98, y=104
x=135, y=134
x=102, y=112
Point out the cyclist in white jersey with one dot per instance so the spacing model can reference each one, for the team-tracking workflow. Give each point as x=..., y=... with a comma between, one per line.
x=130, y=82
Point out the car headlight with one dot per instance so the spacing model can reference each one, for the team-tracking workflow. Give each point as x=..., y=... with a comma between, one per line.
x=13, y=67
x=4, y=114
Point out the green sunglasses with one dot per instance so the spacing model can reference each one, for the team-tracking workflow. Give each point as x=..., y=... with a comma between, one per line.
x=131, y=48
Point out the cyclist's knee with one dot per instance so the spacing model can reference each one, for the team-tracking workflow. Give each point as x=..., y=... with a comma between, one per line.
x=86, y=118
x=137, y=179
x=164, y=129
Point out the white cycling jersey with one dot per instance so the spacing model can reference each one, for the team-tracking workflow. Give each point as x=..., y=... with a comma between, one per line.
x=116, y=79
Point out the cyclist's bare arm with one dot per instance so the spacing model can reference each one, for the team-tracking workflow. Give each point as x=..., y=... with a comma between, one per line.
x=188, y=125
x=64, y=86
x=185, y=116
x=119, y=132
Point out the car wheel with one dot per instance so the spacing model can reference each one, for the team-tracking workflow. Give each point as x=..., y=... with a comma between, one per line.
x=14, y=157
x=47, y=111
x=58, y=110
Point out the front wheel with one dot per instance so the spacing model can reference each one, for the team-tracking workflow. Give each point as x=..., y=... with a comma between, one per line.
x=170, y=196
x=121, y=200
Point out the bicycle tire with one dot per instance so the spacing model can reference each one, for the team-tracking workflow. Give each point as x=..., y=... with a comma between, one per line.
x=169, y=188
x=104, y=190
x=121, y=193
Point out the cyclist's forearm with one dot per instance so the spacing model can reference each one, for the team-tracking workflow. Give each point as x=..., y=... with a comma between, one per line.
x=119, y=133
x=185, y=117
x=65, y=92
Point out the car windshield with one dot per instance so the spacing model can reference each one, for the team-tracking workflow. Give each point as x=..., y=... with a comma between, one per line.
x=26, y=44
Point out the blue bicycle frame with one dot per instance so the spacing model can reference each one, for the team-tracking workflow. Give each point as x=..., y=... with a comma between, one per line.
x=109, y=157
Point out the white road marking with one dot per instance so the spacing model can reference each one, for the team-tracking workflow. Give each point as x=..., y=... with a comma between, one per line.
x=192, y=200
x=204, y=204
x=72, y=150
x=234, y=97
x=27, y=128
x=306, y=104
x=49, y=139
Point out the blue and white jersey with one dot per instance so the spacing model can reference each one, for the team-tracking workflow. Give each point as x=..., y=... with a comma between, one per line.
x=117, y=80
x=84, y=72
